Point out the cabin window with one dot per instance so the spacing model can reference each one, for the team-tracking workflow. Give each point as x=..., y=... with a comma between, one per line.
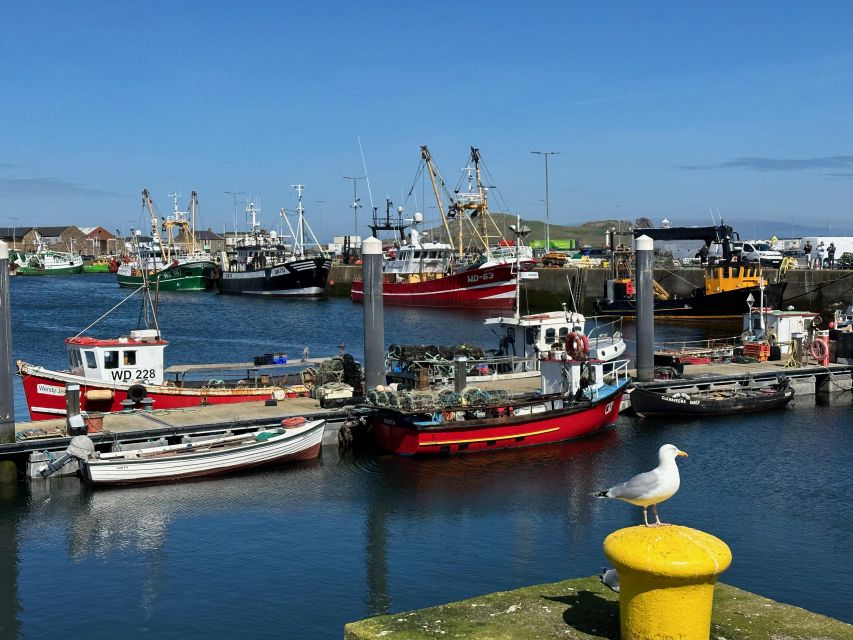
x=91, y=362
x=110, y=359
x=530, y=335
x=550, y=334
x=74, y=357
x=564, y=331
x=129, y=358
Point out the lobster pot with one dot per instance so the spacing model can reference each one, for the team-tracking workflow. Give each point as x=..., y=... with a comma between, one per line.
x=560, y=376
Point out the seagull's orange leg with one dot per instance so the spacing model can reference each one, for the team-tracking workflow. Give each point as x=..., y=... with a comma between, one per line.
x=657, y=519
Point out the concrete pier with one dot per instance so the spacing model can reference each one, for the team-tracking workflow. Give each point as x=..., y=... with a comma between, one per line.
x=584, y=608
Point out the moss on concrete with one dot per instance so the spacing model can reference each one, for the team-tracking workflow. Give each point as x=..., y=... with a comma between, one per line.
x=584, y=608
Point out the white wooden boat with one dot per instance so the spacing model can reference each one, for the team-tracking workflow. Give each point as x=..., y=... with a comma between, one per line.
x=205, y=456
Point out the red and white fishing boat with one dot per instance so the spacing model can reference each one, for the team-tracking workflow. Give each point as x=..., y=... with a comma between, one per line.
x=115, y=374
x=435, y=274
x=421, y=275
x=577, y=399
x=127, y=373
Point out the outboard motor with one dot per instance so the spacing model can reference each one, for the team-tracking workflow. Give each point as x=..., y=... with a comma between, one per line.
x=80, y=447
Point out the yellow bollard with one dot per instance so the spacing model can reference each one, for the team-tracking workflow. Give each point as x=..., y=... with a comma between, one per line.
x=666, y=580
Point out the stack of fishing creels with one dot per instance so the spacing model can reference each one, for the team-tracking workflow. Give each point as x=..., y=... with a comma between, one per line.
x=422, y=352
x=342, y=369
x=427, y=401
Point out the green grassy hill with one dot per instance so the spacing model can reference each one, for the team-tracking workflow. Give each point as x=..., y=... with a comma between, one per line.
x=591, y=233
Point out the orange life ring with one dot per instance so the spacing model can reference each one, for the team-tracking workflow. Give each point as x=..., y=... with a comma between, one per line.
x=577, y=344
x=818, y=349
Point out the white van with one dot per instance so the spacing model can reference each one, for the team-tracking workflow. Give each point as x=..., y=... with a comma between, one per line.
x=753, y=252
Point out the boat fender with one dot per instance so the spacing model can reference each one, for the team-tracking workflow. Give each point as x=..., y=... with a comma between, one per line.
x=94, y=395
x=137, y=392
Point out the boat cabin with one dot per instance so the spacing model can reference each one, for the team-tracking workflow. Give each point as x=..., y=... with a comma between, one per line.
x=561, y=374
x=419, y=259
x=729, y=276
x=264, y=251
x=136, y=359
x=527, y=336
x=778, y=327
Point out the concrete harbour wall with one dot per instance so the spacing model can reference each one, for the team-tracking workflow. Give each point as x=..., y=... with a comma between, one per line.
x=807, y=289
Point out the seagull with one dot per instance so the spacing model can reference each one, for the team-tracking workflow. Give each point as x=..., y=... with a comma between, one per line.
x=652, y=487
x=610, y=578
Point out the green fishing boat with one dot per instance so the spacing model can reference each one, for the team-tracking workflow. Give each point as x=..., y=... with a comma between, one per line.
x=167, y=265
x=47, y=262
x=183, y=276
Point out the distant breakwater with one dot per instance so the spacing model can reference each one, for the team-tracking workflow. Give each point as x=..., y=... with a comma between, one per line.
x=807, y=289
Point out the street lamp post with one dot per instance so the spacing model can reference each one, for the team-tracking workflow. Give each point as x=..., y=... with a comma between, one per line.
x=547, y=229
x=356, y=204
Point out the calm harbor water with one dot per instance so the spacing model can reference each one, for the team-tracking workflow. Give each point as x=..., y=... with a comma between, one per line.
x=296, y=551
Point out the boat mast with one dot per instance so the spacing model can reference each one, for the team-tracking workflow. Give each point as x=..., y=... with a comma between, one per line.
x=427, y=157
x=155, y=231
x=252, y=211
x=299, y=240
x=193, y=204
x=475, y=201
x=482, y=206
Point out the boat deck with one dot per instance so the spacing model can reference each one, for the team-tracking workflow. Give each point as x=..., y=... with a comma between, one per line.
x=807, y=379
x=183, y=369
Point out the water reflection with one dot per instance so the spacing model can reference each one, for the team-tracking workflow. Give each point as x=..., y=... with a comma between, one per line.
x=373, y=534
x=10, y=604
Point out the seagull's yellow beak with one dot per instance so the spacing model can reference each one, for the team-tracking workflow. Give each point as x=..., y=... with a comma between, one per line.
x=682, y=453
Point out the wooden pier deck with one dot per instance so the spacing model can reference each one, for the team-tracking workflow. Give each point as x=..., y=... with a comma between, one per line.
x=175, y=422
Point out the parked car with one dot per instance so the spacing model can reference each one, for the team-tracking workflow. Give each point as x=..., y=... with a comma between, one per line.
x=760, y=252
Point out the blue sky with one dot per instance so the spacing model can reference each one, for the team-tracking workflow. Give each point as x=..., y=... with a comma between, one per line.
x=657, y=108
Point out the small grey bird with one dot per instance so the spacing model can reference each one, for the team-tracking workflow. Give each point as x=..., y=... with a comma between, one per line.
x=652, y=487
x=609, y=578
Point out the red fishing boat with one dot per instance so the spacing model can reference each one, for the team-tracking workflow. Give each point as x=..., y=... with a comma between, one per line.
x=437, y=274
x=577, y=399
x=476, y=288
